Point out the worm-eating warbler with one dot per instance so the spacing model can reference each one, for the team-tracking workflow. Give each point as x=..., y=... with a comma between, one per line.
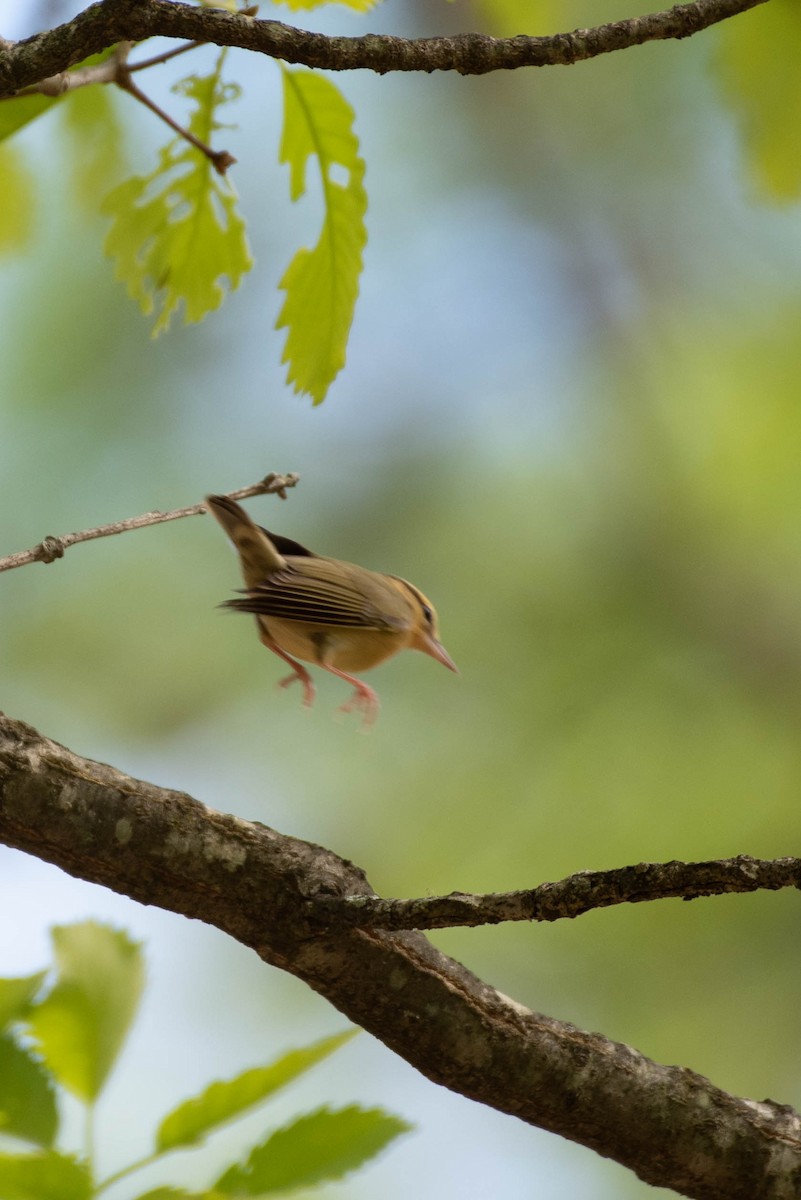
x=342, y=617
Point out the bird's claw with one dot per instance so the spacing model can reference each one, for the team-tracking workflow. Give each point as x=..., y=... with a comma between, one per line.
x=366, y=702
x=308, y=686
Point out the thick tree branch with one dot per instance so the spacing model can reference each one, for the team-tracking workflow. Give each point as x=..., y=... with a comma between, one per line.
x=669, y=1125
x=571, y=897
x=102, y=24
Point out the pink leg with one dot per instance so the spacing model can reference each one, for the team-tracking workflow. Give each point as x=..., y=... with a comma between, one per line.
x=298, y=672
x=363, y=698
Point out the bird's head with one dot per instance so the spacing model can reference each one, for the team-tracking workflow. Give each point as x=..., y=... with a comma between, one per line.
x=425, y=632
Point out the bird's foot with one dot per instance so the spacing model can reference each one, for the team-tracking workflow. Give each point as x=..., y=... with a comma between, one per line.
x=365, y=701
x=308, y=686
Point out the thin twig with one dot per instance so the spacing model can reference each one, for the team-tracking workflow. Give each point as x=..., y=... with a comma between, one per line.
x=158, y=59
x=51, y=548
x=570, y=897
x=221, y=160
x=67, y=81
x=117, y=69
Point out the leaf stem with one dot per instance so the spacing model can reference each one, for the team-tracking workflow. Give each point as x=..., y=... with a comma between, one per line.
x=89, y=1135
x=129, y=1170
x=221, y=160
x=158, y=59
x=117, y=69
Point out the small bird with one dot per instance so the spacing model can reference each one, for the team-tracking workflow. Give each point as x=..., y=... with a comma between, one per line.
x=340, y=616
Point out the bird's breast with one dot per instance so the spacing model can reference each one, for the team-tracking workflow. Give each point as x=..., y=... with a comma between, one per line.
x=347, y=649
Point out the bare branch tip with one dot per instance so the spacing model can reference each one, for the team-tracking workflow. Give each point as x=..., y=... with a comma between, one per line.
x=221, y=160
x=275, y=484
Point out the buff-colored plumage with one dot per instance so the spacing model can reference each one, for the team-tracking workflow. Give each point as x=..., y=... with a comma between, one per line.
x=335, y=614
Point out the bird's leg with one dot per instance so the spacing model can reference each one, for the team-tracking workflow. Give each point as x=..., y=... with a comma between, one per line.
x=363, y=698
x=298, y=671
x=305, y=678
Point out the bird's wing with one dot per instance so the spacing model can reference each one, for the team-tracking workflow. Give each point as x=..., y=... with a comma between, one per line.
x=285, y=545
x=320, y=592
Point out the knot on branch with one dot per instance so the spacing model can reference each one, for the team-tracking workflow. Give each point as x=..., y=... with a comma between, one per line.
x=49, y=549
x=275, y=484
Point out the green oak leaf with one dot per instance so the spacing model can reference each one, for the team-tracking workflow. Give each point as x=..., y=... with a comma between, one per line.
x=89, y=112
x=177, y=233
x=19, y=111
x=16, y=995
x=81, y=1024
x=19, y=193
x=322, y=284
x=195, y=1118
x=44, y=1176
x=321, y=1146
x=97, y=151
x=27, y=1096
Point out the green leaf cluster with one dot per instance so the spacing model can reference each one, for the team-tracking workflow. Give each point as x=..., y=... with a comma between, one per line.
x=65, y=1029
x=179, y=240
x=91, y=120
x=177, y=233
x=19, y=192
x=177, y=237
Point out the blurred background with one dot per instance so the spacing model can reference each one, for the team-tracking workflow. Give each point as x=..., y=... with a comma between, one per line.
x=570, y=415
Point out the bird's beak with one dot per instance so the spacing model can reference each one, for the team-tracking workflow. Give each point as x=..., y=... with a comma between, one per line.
x=429, y=645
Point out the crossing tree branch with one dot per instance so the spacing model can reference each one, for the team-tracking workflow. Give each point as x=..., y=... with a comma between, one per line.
x=671, y=1126
x=47, y=54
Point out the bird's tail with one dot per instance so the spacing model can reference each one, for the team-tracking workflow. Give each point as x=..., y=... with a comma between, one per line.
x=259, y=556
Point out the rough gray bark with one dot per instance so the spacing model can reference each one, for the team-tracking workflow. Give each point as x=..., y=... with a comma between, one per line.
x=572, y=897
x=28, y=62
x=672, y=1127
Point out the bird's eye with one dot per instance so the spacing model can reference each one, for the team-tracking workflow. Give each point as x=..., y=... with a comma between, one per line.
x=428, y=614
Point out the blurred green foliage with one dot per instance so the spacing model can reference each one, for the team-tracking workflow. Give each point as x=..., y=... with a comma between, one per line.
x=68, y=1036
x=759, y=67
